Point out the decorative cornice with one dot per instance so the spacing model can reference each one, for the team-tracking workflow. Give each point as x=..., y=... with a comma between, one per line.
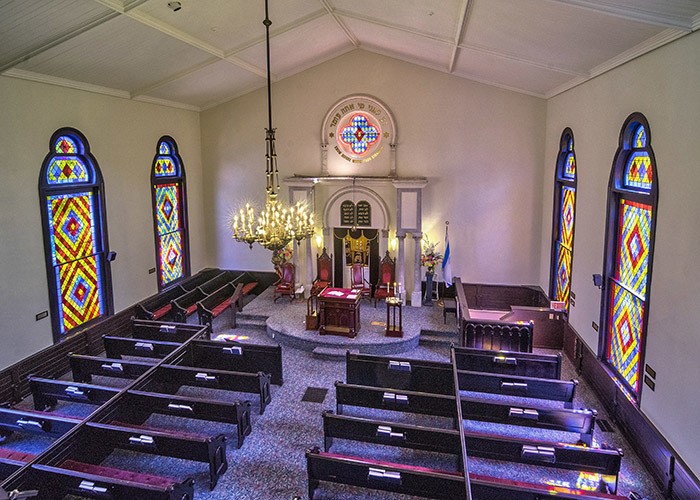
x=631, y=13
x=95, y=89
x=695, y=22
x=64, y=82
x=167, y=103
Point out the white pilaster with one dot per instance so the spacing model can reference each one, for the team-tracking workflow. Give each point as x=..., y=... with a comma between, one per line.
x=416, y=295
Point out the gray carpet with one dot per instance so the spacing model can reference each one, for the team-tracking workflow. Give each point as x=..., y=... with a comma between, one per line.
x=271, y=463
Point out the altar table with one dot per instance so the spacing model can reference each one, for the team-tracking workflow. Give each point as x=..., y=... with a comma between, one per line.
x=339, y=312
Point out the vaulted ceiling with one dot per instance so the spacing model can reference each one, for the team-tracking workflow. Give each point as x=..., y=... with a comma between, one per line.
x=210, y=51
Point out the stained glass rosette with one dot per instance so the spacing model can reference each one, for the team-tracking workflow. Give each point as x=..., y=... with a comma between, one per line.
x=359, y=137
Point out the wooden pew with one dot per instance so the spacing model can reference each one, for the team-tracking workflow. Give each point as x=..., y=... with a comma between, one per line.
x=228, y=297
x=186, y=305
x=238, y=356
x=98, y=440
x=509, y=363
x=232, y=356
x=218, y=281
x=208, y=449
x=47, y=392
x=170, y=378
x=437, y=377
x=581, y=422
x=84, y=480
x=116, y=347
x=163, y=331
x=425, y=482
x=606, y=462
x=220, y=300
x=12, y=460
x=200, y=278
x=158, y=306
x=45, y=424
x=136, y=406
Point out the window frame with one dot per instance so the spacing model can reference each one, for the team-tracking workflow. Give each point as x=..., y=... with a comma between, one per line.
x=560, y=181
x=617, y=192
x=94, y=185
x=180, y=180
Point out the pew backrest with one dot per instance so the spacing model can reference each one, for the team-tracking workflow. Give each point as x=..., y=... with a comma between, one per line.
x=509, y=363
x=219, y=281
x=437, y=378
x=158, y=306
x=186, y=304
x=217, y=302
x=239, y=357
x=496, y=335
x=495, y=447
x=581, y=422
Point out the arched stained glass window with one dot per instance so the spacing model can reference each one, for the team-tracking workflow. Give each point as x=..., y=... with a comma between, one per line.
x=170, y=214
x=632, y=202
x=563, y=224
x=71, y=194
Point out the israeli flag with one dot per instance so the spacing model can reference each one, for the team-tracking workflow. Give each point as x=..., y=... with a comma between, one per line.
x=446, y=263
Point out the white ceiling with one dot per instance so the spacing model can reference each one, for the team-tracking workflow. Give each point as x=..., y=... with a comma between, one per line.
x=211, y=51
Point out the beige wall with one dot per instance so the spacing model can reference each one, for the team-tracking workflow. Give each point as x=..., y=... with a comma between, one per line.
x=122, y=136
x=488, y=154
x=480, y=147
x=665, y=86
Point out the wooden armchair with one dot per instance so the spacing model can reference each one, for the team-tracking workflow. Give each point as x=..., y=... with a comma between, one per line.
x=324, y=273
x=285, y=286
x=358, y=281
x=387, y=278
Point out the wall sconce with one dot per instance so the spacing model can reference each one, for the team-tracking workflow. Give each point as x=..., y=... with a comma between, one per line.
x=393, y=243
x=319, y=241
x=598, y=280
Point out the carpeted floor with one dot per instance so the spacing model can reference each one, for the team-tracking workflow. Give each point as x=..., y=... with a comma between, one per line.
x=271, y=463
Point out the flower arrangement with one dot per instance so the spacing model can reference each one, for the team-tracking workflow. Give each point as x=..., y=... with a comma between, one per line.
x=282, y=255
x=430, y=257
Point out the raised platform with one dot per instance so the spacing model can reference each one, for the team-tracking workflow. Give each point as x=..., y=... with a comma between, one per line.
x=286, y=323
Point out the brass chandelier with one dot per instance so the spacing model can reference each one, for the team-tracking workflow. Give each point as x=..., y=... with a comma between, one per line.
x=276, y=225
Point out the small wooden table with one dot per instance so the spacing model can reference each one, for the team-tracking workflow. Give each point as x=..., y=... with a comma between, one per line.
x=339, y=312
x=393, y=308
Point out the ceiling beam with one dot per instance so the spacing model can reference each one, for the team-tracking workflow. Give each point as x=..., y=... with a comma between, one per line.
x=450, y=42
x=631, y=13
x=376, y=22
x=522, y=60
x=177, y=34
x=349, y=34
x=459, y=33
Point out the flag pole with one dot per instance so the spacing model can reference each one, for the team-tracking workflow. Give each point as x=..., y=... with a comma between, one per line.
x=446, y=261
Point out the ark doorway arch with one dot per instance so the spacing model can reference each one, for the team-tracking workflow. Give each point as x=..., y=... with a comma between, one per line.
x=334, y=228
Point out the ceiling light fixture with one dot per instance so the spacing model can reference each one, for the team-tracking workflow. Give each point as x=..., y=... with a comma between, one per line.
x=276, y=225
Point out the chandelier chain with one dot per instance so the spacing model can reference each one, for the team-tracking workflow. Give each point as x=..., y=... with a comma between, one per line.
x=276, y=226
